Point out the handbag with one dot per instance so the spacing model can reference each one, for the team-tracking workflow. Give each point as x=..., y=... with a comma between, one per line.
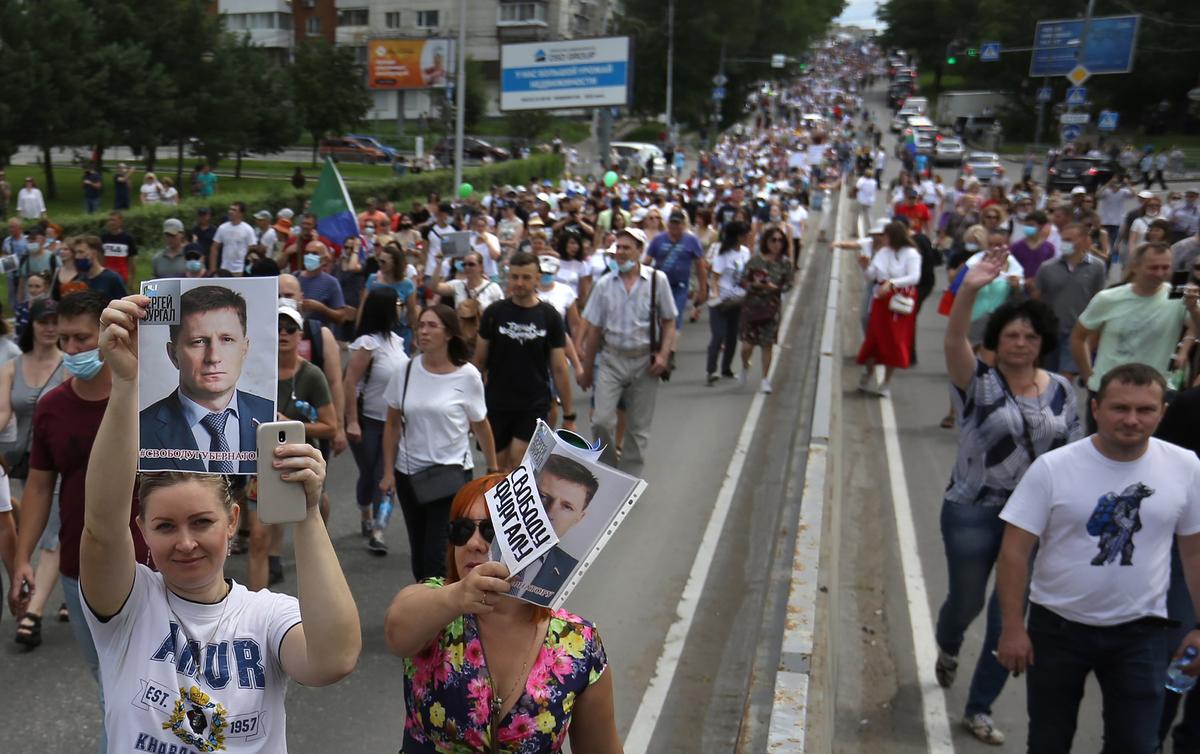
x=436, y=482
x=655, y=340
x=901, y=304
x=725, y=306
x=763, y=311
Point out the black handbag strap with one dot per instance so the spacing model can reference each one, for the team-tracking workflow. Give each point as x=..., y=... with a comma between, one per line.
x=1026, y=434
x=653, y=311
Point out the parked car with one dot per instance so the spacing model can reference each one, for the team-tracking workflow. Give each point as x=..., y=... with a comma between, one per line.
x=1089, y=172
x=473, y=149
x=984, y=166
x=391, y=152
x=925, y=144
x=350, y=150
x=900, y=119
x=948, y=152
x=635, y=155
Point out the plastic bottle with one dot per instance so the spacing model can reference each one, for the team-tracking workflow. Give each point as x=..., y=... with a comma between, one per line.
x=383, y=512
x=1177, y=680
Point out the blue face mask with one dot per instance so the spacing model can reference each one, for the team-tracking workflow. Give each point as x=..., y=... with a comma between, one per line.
x=611, y=264
x=194, y=265
x=971, y=246
x=547, y=279
x=312, y=261
x=248, y=267
x=458, y=265
x=83, y=365
x=1030, y=231
x=627, y=265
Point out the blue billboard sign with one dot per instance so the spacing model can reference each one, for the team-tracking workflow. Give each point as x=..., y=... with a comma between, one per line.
x=1110, y=45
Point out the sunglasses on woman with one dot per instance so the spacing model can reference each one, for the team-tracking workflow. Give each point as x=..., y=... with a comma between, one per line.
x=460, y=530
x=289, y=328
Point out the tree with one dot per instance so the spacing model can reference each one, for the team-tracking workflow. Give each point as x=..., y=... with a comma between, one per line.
x=327, y=90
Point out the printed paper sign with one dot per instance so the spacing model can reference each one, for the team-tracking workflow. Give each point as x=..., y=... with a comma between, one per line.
x=523, y=529
x=208, y=352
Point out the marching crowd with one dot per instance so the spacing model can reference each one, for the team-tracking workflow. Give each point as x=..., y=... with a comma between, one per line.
x=421, y=357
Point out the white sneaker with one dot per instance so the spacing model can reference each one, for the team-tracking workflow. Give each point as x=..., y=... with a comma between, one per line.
x=741, y=378
x=884, y=391
x=766, y=386
x=864, y=382
x=983, y=728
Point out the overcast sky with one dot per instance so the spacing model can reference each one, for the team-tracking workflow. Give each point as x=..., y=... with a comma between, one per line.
x=860, y=13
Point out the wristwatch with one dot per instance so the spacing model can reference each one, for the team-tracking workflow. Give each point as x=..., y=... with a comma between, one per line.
x=568, y=417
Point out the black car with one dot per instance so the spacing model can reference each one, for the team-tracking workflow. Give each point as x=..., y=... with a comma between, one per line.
x=473, y=149
x=1089, y=172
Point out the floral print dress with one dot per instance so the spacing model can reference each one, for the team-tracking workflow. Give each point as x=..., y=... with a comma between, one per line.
x=448, y=691
x=761, y=308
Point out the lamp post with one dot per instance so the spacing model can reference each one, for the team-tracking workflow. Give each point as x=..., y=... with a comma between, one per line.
x=460, y=80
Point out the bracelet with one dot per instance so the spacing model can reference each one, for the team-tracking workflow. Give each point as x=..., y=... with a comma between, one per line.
x=568, y=417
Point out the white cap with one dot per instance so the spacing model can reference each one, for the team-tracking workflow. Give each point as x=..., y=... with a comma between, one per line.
x=172, y=227
x=639, y=215
x=287, y=308
x=262, y=214
x=548, y=264
x=1145, y=194
x=285, y=214
x=636, y=234
x=1078, y=190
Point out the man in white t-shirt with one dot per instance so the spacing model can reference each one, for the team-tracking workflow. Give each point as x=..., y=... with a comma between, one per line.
x=864, y=194
x=797, y=218
x=442, y=228
x=231, y=242
x=1102, y=513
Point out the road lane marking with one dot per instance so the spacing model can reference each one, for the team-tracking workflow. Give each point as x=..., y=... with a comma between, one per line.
x=637, y=741
x=933, y=698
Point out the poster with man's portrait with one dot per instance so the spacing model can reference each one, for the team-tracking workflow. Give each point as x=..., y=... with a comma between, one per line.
x=207, y=373
x=585, y=501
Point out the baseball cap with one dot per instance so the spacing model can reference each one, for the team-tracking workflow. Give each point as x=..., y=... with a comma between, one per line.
x=192, y=251
x=262, y=214
x=677, y=217
x=1145, y=194
x=42, y=308
x=636, y=234
x=548, y=264
x=1078, y=190
x=639, y=215
x=1193, y=191
x=287, y=308
x=172, y=227
x=285, y=214
x=203, y=211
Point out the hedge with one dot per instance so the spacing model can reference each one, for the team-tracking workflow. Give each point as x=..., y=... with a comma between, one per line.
x=145, y=222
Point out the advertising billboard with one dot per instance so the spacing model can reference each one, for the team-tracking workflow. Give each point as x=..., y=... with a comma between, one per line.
x=594, y=72
x=409, y=63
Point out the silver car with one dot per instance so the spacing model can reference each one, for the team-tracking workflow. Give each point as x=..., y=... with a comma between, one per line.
x=948, y=152
x=983, y=166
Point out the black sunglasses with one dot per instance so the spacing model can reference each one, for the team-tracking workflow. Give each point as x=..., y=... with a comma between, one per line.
x=291, y=328
x=460, y=530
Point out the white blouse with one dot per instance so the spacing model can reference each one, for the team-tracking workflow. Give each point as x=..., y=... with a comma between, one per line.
x=902, y=268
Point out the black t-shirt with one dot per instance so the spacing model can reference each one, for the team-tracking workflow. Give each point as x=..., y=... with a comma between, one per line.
x=204, y=237
x=1181, y=423
x=108, y=284
x=520, y=340
x=120, y=242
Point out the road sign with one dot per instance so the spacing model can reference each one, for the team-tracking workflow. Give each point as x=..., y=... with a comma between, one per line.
x=1077, y=95
x=1071, y=133
x=1110, y=45
x=1045, y=94
x=1078, y=75
x=778, y=61
x=989, y=52
x=720, y=80
x=1073, y=119
x=718, y=93
x=1108, y=120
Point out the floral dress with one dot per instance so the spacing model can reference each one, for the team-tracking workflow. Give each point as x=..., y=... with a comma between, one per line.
x=761, y=308
x=448, y=691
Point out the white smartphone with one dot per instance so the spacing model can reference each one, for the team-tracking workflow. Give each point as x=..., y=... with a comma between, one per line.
x=279, y=502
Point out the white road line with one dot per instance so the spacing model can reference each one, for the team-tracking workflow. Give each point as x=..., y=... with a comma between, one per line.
x=637, y=741
x=933, y=698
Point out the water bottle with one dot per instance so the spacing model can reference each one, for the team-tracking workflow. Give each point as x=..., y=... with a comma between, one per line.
x=1177, y=680
x=383, y=513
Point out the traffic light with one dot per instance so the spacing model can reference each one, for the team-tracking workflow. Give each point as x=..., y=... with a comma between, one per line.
x=951, y=60
x=953, y=50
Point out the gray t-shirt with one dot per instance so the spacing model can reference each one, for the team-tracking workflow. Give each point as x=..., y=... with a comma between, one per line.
x=164, y=266
x=1185, y=252
x=1067, y=291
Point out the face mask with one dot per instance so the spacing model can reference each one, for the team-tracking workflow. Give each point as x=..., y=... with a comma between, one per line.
x=1067, y=248
x=547, y=279
x=194, y=265
x=248, y=267
x=627, y=265
x=83, y=265
x=312, y=261
x=612, y=265
x=1030, y=231
x=1152, y=213
x=33, y=248
x=458, y=265
x=1176, y=204
x=971, y=246
x=83, y=365
x=369, y=231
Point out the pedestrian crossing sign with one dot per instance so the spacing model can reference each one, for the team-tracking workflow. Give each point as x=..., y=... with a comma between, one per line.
x=989, y=52
x=1108, y=120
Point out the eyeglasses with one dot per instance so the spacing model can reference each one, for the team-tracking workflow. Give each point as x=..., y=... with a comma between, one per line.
x=460, y=530
x=290, y=328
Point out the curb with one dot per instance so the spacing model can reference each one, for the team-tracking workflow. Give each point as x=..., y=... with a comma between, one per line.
x=802, y=717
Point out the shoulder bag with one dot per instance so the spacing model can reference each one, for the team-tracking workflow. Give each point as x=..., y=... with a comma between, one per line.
x=436, y=482
x=655, y=339
x=16, y=462
x=901, y=304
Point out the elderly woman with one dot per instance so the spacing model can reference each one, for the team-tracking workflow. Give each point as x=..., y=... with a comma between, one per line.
x=484, y=670
x=148, y=624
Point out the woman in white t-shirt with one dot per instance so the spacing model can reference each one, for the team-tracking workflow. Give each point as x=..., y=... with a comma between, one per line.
x=151, y=191
x=574, y=269
x=376, y=355
x=725, y=308
x=894, y=271
x=486, y=245
x=472, y=285
x=189, y=659
x=434, y=404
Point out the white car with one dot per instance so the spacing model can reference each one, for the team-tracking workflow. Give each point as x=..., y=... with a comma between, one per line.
x=635, y=155
x=948, y=152
x=900, y=121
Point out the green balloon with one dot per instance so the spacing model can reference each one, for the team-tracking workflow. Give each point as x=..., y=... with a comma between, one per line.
x=465, y=190
x=610, y=179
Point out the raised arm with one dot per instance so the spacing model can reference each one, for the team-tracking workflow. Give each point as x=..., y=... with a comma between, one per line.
x=419, y=613
x=960, y=357
x=106, y=554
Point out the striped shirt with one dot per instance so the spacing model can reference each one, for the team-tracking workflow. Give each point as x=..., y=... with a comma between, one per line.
x=623, y=315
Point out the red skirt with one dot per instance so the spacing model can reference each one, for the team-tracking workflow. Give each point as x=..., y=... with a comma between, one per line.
x=889, y=335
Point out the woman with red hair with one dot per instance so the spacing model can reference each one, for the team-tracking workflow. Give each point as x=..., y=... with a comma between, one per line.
x=485, y=672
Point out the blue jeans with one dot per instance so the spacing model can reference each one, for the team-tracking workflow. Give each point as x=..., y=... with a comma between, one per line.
x=1129, y=662
x=971, y=535
x=368, y=456
x=1179, y=607
x=83, y=636
x=723, y=326
x=91, y=205
x=680, y=294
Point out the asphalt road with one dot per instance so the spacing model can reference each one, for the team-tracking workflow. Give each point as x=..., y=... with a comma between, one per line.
x=882, y=704
x=720, y=698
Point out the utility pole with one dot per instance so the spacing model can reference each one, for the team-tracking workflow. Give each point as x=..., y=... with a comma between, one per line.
x=460, y=79
x=670, y=64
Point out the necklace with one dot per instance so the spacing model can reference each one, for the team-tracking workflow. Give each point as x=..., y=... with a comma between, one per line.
x=497, y=700
x=197, y=719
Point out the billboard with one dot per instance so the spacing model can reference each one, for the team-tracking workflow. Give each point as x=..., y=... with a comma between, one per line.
x=409, y=63
x=1110, y=45
x=594, y=72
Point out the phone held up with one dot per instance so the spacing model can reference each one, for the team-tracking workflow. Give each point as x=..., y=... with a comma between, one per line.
x=279, y=502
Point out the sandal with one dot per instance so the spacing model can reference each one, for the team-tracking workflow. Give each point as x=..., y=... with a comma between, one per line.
x=29, y=630
x=64, y=615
